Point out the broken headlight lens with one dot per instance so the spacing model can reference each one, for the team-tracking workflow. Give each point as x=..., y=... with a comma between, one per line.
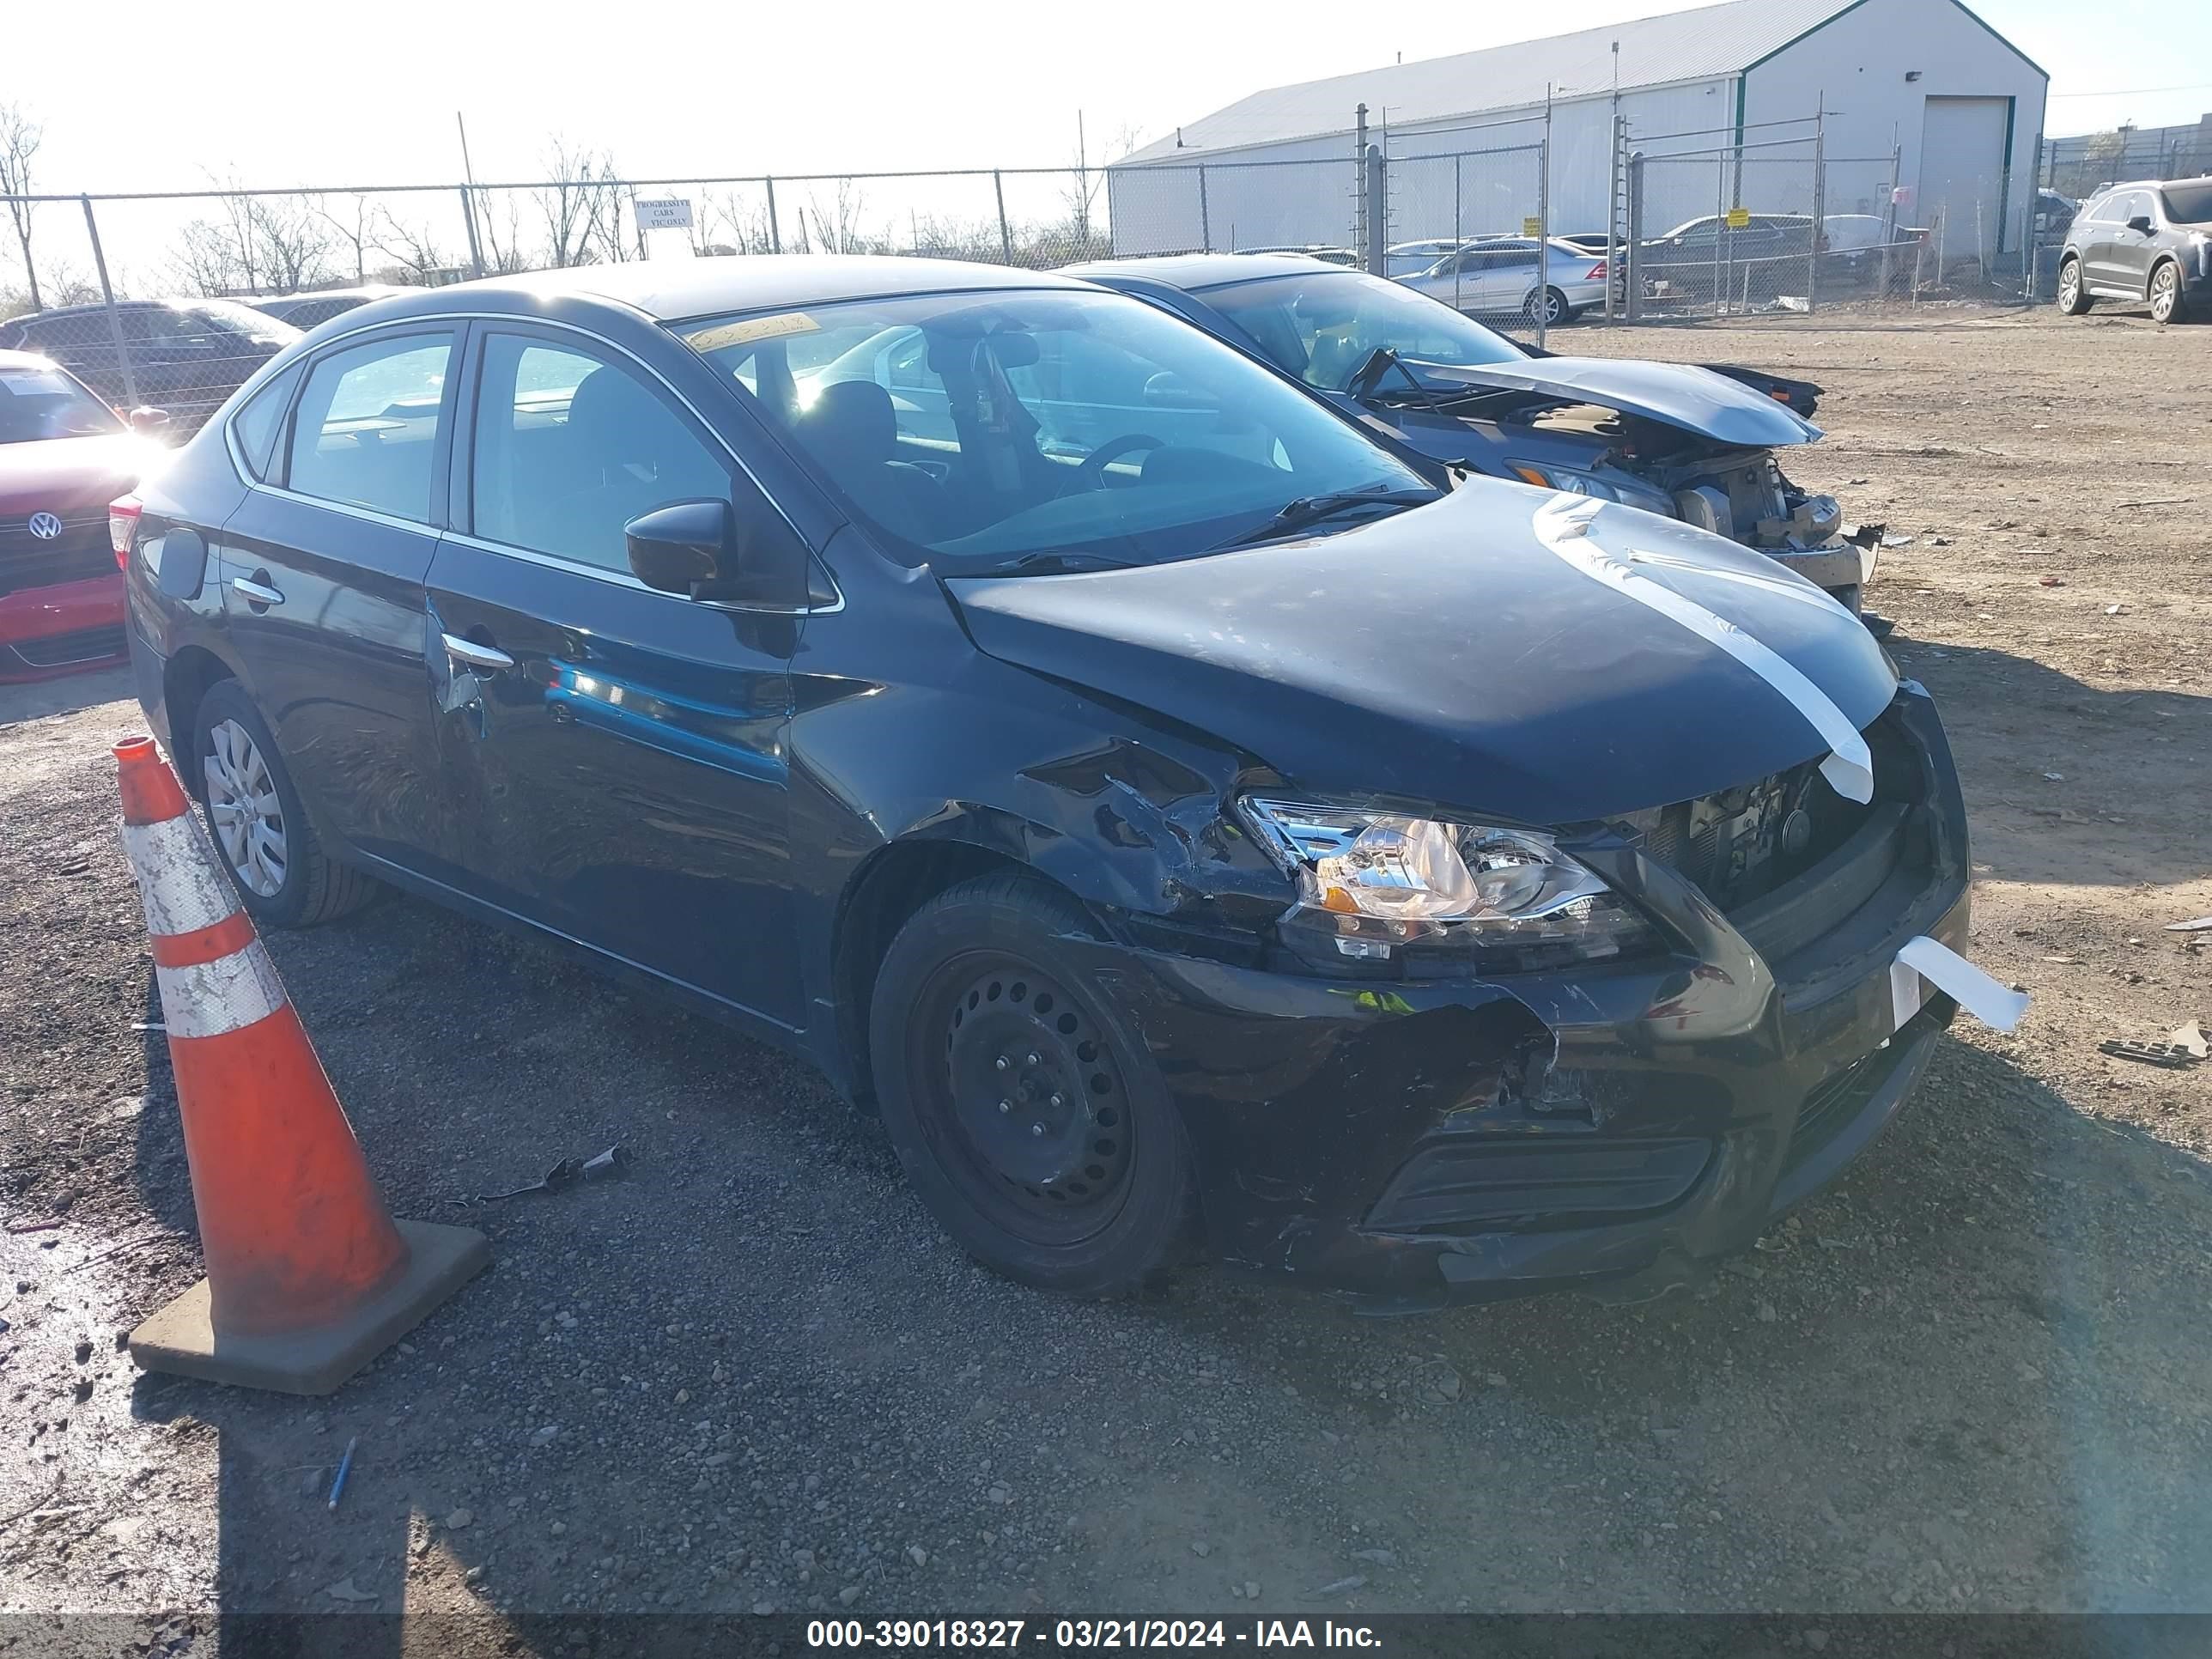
x=1373, y=885
x=1570, y=482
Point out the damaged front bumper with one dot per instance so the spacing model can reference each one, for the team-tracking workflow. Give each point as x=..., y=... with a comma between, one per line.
x=1834, y=564
x=1407, y=1143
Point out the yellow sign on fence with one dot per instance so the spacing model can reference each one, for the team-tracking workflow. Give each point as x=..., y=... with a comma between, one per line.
x=1739, y=218
x=1532, y=227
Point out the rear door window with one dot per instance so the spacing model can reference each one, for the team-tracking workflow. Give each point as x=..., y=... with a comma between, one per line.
x=369, y=422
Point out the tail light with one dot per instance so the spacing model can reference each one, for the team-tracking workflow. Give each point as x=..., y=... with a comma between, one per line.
x=122, y=525
x=1596, y=272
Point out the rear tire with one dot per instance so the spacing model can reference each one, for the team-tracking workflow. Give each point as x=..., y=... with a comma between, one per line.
x=260, y=828
x=1550, y=308
x=2073, y=298
x=1024, y=1106
x=2166, y=303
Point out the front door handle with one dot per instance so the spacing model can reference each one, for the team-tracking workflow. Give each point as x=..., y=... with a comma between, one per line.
x=255, y=592
x=475, y=655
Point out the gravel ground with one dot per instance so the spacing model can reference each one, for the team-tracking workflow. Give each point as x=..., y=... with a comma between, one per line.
x=752, y=1374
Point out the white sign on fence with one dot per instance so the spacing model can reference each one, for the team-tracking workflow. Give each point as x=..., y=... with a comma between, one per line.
x=663, y=213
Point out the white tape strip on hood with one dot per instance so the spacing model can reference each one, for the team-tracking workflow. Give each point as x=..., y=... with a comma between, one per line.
x=1957, y=978
x=1563, y=524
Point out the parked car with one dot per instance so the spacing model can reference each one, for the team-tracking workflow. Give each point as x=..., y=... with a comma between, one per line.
x=1221, y=833
x=1322, y=250
x=2149, y=241
x=2054, y=214
x=1589, y=241
x=186, y=355
x=305, y=311
x=1852, y=243
x=1701, y=258
x=1412, y=258
x=1693, y=444
x=1500, y=277
x=64, y=455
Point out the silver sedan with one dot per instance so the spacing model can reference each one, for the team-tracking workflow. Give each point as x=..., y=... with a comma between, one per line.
x=1501, y=277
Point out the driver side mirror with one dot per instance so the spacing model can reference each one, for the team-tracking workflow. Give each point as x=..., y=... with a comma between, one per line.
x=694, y=549
x=147, y=419
x=2140, y=224
x=681, y=548
x=1169, y=390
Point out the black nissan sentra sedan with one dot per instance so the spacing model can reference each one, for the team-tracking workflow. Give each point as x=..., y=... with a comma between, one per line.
x=1185, y=823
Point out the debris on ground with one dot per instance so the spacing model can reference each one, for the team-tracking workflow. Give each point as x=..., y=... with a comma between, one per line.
x=2051, y=581
x=1357, y=1581
x=1897, y=541
x=2194, y=925
x=2191, y=1037
x=2173, y=1057
x=43, y=1224
x=613, y=1161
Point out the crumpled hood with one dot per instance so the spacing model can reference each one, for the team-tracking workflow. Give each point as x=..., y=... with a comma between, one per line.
x=1677, y=394
x=1447, y=654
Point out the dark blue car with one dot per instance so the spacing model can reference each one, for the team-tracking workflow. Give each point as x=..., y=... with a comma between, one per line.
x=1686, y=442
x=1184, y=820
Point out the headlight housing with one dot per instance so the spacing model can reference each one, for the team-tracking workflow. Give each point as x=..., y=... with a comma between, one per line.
x=1569, y=481
x=1380, y=887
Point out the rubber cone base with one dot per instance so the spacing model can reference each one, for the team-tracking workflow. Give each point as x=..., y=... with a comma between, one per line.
x=179, y=1339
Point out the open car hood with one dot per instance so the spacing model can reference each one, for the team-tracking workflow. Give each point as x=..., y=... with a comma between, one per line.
x=1448, y=654
x=1697, y=400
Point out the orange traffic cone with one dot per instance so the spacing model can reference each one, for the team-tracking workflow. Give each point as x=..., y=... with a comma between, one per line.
x=308, y=1276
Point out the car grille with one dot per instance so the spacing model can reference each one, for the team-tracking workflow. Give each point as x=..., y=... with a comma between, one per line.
x=83, y=549
x=1743, y=843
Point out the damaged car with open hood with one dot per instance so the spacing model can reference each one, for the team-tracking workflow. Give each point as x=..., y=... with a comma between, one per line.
x=1193, y=829
x=1692, y=443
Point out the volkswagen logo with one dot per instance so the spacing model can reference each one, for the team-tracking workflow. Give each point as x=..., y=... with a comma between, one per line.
x=45, y=527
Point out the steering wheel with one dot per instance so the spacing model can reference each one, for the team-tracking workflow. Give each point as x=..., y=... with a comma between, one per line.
x=1091, y=475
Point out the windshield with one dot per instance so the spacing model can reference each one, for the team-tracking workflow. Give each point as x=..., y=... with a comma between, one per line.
x=1323, y=326
x=2189, y=203
x=36, y=403
x=976, y=429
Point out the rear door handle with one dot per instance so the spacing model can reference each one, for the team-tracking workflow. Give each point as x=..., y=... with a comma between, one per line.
x=255, y=592
x=475, y=655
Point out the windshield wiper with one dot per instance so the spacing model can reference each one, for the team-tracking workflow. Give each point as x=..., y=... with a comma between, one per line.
x=1382, y=360
x=1307, y=510
x=1059, y=564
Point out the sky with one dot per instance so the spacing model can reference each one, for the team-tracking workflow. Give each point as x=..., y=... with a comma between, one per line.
x=289, y=94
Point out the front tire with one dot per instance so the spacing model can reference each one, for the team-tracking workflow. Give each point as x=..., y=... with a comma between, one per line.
x=1023, y=1107
x=260, y=827
x=2167, y=305
x=2073, y=298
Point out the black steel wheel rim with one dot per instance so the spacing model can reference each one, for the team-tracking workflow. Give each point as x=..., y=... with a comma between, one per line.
x=1023, y=1097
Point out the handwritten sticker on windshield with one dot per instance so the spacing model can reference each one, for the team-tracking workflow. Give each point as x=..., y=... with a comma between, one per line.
x=782, y=325
x=35, y=383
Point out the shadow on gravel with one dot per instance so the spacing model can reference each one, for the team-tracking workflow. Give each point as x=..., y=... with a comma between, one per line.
x=2021, y=720
x=754, y=1374
x=39, y=699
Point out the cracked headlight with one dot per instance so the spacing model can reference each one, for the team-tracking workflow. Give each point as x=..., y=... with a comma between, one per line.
x=1374, y=884
x=1568, y=481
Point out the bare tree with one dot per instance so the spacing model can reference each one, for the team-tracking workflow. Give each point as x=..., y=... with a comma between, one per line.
x=413, y=249
x=837, y=229
x=731, y=223
x=580, y=206
x=355, y=231
x=260, y=244
x=20, y=137
x=1082, y=191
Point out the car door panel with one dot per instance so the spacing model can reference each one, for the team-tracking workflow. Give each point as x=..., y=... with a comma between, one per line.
x=324, y=604
x=624, y=782
x=615, y=754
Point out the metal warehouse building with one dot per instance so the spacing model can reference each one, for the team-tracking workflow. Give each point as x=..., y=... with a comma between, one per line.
x=1722, y=100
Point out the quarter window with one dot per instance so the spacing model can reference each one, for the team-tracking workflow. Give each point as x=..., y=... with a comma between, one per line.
x=369, y=425
x=570, y=446
x=255, y=426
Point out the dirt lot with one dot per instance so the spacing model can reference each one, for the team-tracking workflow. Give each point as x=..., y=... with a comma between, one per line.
x=753, y=1375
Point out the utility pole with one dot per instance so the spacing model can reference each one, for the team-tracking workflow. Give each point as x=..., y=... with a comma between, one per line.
x=468, y=195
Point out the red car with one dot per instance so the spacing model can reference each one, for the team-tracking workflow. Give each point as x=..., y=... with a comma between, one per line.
x=64, y=455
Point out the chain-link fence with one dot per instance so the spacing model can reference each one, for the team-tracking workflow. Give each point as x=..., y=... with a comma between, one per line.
x=171, y=299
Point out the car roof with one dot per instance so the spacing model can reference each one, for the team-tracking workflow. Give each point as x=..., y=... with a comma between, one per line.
x=668, y=290
x=1194, y=272
x=11, y=359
